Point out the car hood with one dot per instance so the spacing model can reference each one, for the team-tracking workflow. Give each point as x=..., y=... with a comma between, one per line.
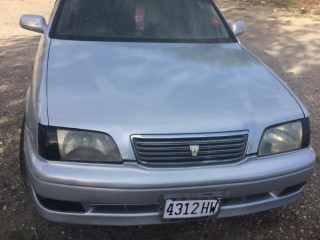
x=155, y=88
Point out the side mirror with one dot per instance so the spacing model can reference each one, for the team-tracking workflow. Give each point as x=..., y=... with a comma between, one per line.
x=33, y=23
x=238, y=27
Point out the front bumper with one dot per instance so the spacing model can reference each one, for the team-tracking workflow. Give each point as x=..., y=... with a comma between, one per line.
x=131, y=194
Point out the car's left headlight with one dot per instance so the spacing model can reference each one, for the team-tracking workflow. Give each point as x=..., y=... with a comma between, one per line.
x=60, y=144
x=285, y=137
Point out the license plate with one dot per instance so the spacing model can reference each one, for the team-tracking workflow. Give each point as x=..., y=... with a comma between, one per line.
x=192, y=208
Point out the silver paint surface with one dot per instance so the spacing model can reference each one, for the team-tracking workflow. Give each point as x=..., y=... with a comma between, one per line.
x=162, y=88
x=158, y=88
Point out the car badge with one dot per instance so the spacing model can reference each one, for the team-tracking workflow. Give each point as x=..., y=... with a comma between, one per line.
x=194, y=149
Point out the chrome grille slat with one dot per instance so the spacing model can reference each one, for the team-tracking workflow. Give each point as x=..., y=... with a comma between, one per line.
x=166, y=149
x=222, y=146
x=220, y=151
x=147, y=149
x=154, y=143
x=201, y=153
x=187, y=148
x=222, y=156
x=151, y=154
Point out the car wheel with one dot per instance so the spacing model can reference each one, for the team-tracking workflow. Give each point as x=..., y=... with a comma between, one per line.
x=22, y=155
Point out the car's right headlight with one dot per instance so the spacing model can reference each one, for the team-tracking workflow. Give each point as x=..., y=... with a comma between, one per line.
x=77, y=145
x=285, y=137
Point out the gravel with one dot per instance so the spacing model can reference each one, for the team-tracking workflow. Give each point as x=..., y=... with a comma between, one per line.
x=290, y=46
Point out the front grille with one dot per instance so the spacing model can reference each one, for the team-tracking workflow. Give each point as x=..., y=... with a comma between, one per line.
x=177, y=149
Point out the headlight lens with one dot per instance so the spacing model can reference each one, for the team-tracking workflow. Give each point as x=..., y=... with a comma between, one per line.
x=75, y=145
x=285, y=137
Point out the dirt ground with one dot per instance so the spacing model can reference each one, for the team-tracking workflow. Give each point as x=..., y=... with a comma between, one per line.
x=290, y=46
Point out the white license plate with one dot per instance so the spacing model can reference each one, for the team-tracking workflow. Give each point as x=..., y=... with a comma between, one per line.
x=174, y=209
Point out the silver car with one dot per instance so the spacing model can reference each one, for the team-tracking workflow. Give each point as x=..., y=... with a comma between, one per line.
x=147, y=112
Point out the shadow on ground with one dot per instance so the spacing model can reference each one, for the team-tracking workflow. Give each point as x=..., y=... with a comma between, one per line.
x=290, y=47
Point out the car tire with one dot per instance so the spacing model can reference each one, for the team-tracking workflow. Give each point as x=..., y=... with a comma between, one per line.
x=22, y=159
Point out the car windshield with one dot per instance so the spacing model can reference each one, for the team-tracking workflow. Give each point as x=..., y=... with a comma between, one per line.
x=140, y=20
